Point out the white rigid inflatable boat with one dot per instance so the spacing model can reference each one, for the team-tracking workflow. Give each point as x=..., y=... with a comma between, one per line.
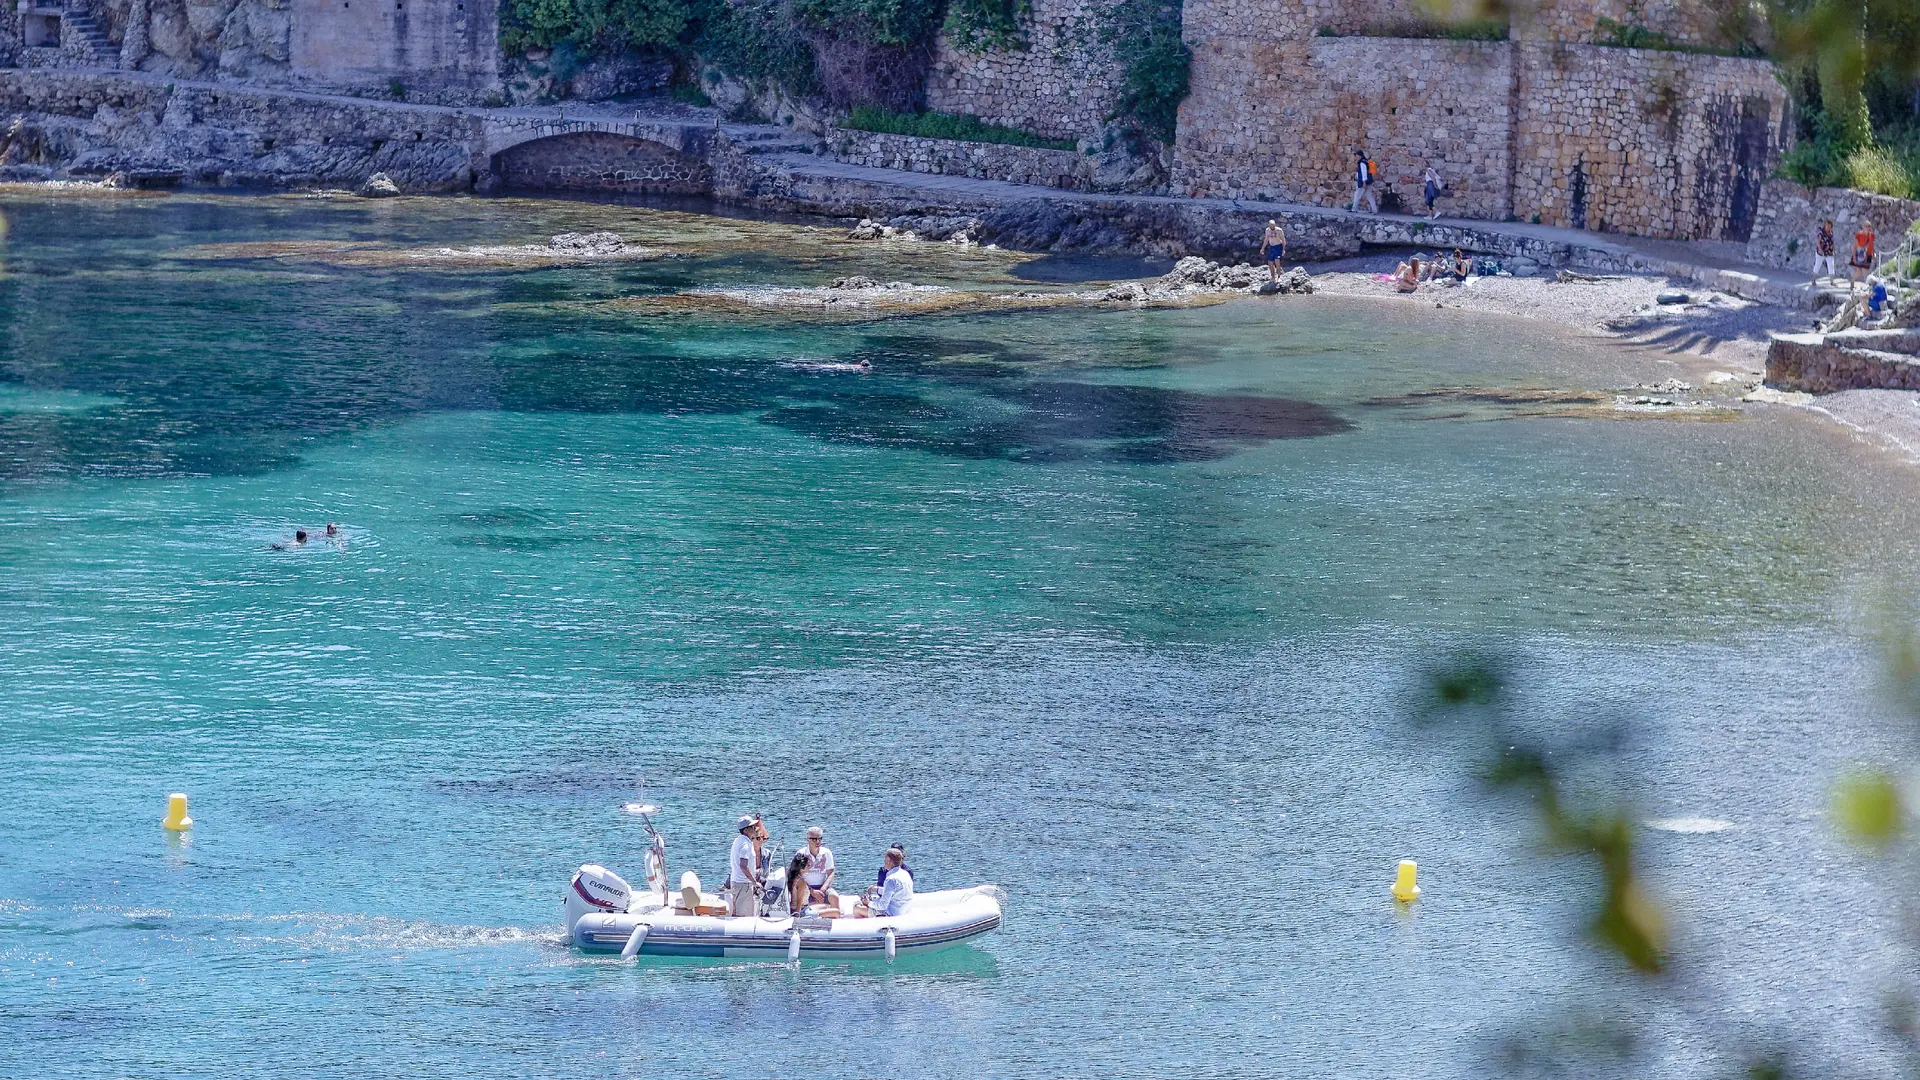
x=603, y=914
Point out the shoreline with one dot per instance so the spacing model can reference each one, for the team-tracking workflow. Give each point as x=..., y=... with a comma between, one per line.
x=1720, y=339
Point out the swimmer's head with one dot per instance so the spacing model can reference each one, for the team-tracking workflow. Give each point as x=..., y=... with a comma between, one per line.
x=332, y=529
x=299, y=536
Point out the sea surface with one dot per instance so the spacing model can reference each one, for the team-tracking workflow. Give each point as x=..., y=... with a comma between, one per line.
x=1122, y=610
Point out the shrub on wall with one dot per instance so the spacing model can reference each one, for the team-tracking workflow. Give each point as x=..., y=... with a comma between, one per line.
x=593, y=26
x=756, y=40
x=1145, y=38
x=978, y=25
x=937, y=125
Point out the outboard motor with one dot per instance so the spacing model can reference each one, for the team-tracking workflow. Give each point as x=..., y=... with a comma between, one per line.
x=773, y=896
x=595, y=888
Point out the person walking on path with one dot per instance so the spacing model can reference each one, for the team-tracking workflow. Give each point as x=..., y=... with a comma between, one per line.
x=1273, y=248
x=1863, y=254
x=1363, y=182
x=1430, y=185
x=1823, y=250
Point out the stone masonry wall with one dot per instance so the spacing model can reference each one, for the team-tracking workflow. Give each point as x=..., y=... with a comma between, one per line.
x=1644, y=142
x=1062, y=85
x=1282, y=120
x=1577, y=22
x=1656, y=143
x=94, y=124
x=1789, y=214
x=365, y=45
x=601, y=161
x=1066, y=169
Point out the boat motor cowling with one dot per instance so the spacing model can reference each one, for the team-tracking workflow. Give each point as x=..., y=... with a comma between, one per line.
x=595, y=888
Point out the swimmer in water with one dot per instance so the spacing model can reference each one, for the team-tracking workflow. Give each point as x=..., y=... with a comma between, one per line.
x=299, y=539
x=332, y=530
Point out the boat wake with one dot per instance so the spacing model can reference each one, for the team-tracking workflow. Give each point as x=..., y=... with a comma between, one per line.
x=1689, y=825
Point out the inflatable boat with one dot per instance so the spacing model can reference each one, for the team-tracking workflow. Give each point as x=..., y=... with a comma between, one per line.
x=604, y=914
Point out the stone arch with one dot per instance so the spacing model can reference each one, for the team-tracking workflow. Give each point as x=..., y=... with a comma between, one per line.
x=601, y=161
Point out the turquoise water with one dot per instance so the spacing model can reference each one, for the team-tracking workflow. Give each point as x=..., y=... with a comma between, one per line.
x=1118, y=610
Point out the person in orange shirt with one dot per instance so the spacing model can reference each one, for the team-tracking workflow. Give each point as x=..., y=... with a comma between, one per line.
x=1863, y=253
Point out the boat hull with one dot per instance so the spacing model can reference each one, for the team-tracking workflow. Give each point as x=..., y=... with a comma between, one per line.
x=936, y=921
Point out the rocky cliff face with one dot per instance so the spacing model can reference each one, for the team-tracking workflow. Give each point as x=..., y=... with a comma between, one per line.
x=199, y=39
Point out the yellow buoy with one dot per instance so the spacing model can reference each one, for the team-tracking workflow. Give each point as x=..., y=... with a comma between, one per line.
x=177, y=818
x=1404, y=890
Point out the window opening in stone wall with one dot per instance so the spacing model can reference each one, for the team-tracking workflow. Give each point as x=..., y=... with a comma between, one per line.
x=41, y=30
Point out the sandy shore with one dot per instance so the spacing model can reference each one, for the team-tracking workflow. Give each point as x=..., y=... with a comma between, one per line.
x=1728, y=333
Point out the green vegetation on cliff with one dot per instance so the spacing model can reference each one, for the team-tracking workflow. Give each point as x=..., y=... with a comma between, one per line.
x=937, y=125
x=852, y=54
x=1145, y=37
x=587, y=27
x=1854, y=69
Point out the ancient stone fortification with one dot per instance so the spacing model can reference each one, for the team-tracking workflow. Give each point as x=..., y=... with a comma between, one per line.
x=1789, y=214
x=1062, y=85
x=424, y=48
x=1547, y=125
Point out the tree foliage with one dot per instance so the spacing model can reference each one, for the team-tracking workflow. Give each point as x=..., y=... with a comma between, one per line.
x=605, y=27
x=1156, y=63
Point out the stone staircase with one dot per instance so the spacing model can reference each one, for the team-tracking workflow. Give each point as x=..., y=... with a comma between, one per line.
x=81, y=36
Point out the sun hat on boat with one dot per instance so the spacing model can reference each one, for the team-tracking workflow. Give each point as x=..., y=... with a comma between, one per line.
x=747, y=821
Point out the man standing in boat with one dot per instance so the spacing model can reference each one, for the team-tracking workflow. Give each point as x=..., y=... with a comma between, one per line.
x=743, y=868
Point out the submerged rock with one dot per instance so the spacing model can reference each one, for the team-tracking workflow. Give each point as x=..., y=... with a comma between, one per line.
x=594, y=243
x=378, y=186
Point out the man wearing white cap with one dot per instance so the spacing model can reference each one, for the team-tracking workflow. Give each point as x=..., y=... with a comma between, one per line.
x=743, y=868
x=820, y=869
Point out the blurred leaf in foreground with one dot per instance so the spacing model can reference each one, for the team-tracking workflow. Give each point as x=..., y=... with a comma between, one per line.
x=1866, y=804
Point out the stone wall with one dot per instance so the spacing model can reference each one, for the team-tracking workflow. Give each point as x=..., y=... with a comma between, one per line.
x=1577, y=22
x=604, y=162
x=1065, y=169
x=422, y=42
x=1649, y=142
x=1282, y=120
x=89, y=123
x=1644, y=142
x=425, y=46
x=1062, y=85
x=1789, y=214
x=1851, y=360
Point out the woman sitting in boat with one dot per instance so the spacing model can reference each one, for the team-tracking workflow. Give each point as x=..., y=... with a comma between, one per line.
x=894, y=892
x=797, y=891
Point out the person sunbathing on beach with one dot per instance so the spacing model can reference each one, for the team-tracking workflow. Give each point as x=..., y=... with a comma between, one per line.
x=1406, y=277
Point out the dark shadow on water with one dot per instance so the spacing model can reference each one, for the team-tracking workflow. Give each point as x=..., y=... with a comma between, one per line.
x=1087, y=269
x=1063, y=421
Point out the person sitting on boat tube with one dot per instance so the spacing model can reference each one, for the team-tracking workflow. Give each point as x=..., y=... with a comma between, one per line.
x=743, y=868
x=797, y=882
x=820, y=869
x=896, y=891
